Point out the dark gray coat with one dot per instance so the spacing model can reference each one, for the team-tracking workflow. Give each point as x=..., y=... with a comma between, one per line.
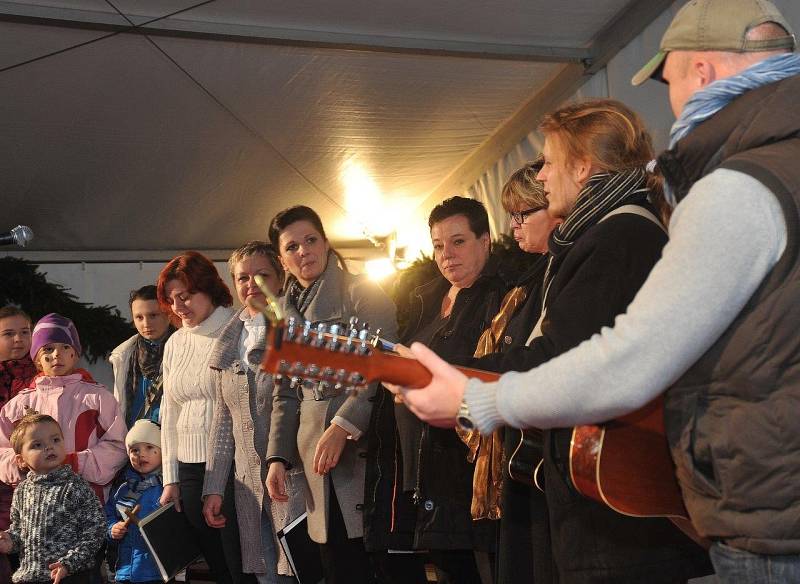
x=298, y=425
x=732, y=417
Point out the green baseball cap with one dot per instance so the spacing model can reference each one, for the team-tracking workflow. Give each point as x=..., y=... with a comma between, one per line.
x=717, y=25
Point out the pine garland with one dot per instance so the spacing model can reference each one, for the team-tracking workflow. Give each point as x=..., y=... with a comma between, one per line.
x=101, y=328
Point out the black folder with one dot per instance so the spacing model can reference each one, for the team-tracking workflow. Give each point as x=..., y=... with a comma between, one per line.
x=171, y=540
x=301, y=551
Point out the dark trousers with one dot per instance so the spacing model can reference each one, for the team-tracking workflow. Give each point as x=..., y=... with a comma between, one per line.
x=344, y=560
x=524, y=551
x=455, y=566
x=220, y=547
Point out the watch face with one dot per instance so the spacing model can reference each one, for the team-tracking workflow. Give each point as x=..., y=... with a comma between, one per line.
x=465, y=423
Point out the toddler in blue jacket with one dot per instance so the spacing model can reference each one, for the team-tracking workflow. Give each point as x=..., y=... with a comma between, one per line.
x=142, y=487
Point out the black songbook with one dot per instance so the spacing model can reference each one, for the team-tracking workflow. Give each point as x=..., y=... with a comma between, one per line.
x=171, y=540
x=301, y=551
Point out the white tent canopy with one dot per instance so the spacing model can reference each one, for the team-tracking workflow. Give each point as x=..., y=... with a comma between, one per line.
x=131, y=130
x=135, y=128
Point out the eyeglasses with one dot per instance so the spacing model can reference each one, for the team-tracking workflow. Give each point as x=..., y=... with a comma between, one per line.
x=520, y=216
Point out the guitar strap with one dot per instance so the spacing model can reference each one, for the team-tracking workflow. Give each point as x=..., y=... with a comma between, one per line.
x=631, y=209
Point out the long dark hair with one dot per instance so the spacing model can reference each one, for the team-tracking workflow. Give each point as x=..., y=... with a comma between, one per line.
x=292, y=215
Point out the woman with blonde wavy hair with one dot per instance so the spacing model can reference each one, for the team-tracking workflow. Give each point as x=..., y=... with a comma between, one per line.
x=595, y=179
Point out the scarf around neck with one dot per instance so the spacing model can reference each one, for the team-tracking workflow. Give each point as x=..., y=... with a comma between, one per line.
x=135, y=486
x=602, y=193
x=146, y=359
x=15, y=375
x=708, y=101
x=300, y=298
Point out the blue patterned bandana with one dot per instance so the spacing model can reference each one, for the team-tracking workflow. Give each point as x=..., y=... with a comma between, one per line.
x=707, y=102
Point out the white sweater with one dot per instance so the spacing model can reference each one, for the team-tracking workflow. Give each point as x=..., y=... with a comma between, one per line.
x=188, y=403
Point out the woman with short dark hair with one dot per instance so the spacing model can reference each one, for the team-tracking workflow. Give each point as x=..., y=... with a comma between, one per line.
x=430, y=471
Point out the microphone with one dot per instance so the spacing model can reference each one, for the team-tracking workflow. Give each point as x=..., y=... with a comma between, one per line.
x=20, y=235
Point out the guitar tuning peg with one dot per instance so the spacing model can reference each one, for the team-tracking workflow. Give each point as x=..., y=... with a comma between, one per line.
x=353, y=322
x=364, y=346
x=312, y=371
x=306, y=334
x=319, y=338
x=327, y=373
x=341, y=374
x=334, y=343
x=291, y=326
x=349, y=346
x=277, y=379
x=294, y=382
x=283, y=366
x=356, y=378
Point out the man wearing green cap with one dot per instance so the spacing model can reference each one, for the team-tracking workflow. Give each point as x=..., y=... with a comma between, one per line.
x=717, y=320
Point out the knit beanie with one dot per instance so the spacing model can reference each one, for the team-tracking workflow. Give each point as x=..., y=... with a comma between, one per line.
x=143, y=431
x=54, y=328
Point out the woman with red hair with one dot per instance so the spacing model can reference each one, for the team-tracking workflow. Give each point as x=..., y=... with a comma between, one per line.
x=191, y=288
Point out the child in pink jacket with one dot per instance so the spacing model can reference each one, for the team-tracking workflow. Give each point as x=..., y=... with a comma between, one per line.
x=94, y=432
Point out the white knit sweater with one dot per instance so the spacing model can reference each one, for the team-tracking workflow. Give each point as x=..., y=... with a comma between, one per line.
x=188, y=403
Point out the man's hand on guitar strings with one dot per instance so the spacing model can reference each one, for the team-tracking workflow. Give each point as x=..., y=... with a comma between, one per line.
x=438, y=402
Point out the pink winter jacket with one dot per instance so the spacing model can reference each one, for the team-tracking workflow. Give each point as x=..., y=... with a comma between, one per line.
x=94, y=431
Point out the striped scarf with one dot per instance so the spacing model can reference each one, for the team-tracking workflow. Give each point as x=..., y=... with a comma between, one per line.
x=602, y=193
x=708, y=101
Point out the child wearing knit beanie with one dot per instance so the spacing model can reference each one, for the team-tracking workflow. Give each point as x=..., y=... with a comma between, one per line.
x=142, y=488
x=94, y=432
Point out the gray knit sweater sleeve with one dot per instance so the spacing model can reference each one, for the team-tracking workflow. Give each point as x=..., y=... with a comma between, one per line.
x=91, y=530
x=725, y=236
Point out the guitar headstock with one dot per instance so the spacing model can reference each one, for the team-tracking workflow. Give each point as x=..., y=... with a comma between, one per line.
x=323, y=359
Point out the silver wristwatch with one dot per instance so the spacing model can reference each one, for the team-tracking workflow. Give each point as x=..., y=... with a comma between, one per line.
x=463, y=418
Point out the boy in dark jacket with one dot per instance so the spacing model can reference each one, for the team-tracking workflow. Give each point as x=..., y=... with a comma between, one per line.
x=142, y=487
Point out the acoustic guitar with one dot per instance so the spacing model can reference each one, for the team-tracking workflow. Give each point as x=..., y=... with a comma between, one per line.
x=624, y=464
x=525, y=463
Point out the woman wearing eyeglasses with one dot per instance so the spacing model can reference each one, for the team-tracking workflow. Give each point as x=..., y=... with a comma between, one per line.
x=496, y=494
x=594, y=178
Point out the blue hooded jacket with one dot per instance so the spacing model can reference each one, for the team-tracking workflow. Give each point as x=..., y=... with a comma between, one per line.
x=134, y=561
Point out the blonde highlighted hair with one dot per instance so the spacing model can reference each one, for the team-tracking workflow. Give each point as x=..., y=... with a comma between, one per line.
x=523, y=190
x=611, y=135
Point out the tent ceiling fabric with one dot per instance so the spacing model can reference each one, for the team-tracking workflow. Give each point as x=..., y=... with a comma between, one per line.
x=167, y=142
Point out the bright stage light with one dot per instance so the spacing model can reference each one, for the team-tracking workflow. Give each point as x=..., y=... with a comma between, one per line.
x=379, y=269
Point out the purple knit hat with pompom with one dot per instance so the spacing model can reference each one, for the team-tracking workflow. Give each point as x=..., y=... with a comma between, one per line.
x=54, y=328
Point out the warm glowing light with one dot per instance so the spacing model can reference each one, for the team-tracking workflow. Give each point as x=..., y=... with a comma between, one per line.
x=365, y=202
x=376, y=215
x=379, y=269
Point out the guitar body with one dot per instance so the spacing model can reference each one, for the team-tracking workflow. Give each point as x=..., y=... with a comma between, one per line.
x=525, y=462
x=626, y=465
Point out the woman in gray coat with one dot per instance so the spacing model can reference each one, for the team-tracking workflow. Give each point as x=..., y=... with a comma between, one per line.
x=328, y=434
x=241, y=424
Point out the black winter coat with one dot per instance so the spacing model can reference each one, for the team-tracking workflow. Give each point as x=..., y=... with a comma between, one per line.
x=595, y=280
x=436, y=515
